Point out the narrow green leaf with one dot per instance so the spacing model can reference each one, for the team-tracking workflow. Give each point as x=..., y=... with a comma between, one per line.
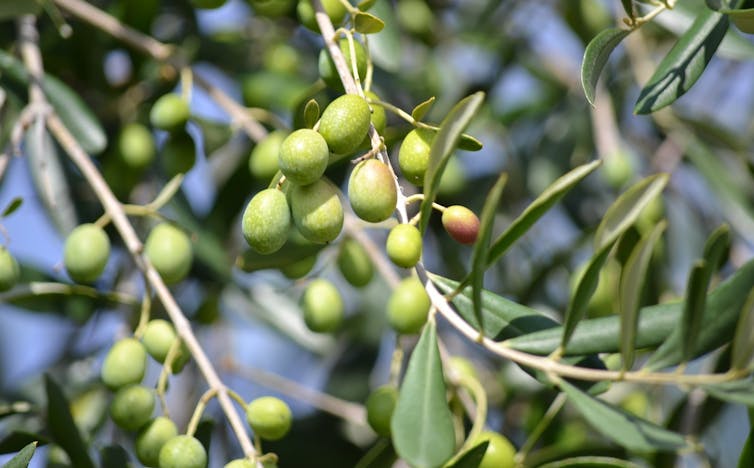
x=12, y=206
x=591, y=462
x=472, y=458
x=72, y=110
x=22, y=458
x=14, y=8
x=537, y=209
x=743, y=340
x=685, y=62
x=17, y=440
x=626, y=209
x=595, y=57
x=656, y=323
x=622, y=427
x=746, y=459
x=584, y=291
x=422, y=108
x=693, y=308
x=737, y=391
x=481, y=247
x=442, y=147
x=367, y=23
x=62, y=427
x=311, y=113
x=632, y=281
x=365, y=5
x=628, y=7
x=422, y=425
x=469, y=143
x=115, y=456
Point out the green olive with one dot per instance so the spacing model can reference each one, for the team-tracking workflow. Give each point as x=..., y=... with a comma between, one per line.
x=322, y=306
x=404, y=245
x=132, y=407
x=299, y=268
x=372, y=191
x=413, y=155
x=152, y=437
x=159, y=336
x=136, y=145
x=344, y=123
x=170, y=112
x=85, y=254
x=263, y=160
x=408, y=307
x=317, y=211
x=270, y=418
x=125, y=363
x=303, y=156
x=183, y=451
x=461, y=224
x=178, y=154
x=500, y=451
x=329, y=73
x=169, y=250
x=380, y=405
x=266, y=221
x=9, y=270
x=334, y=9
x=354, y=263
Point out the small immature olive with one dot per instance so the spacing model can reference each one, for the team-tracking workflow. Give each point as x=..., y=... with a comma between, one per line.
x=240, y=463
x=344, y=123
x=413, y=155
x=169, y=250
x=271, y=8
x=159, y=336
x=334, y=9
x=463, y=367
x=152, y=437
x=371, y=191
x=281, y=58
x=380, y=405
x=379, y=116
x=208, y=4
x=500, y=451
x=136, y=145
x=170, y=112
x=183, y=451
x=323, y=306
x=404, y=245
x=461, y=224
x=329, y=73
x=124, y=364
x=86, y=251
x=354, y=263
x=303, y=156
x=299, y=268
x=132, y=407
x=266, y=221
x=263, y=161
x=9, y=270
x=408, y=307
x=178, y=154
x=269, y=417
x=317, y=211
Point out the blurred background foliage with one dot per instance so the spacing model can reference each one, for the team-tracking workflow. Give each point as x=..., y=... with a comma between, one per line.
x=535, y=125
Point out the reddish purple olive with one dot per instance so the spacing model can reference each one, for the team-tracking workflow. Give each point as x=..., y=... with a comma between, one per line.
x=461, y=224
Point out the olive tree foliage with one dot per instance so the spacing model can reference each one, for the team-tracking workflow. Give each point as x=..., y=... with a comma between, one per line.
x=527, y=219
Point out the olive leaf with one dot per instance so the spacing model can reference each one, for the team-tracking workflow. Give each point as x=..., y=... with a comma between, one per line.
x=737, y=391
x=471, y=458
x=62, y=427
x=16, y=440
x=743, y=341
x=422, y=108
x=595, y=57
x=311, y=113
x=367, y=23
x=23, y=457
x=12, y=207
x=365, y=5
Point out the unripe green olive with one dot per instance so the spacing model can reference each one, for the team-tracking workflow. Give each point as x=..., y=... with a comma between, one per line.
x=281, y=58
x=124, y=363
x=334, y=9
x=136, y=145
x=461, y=224
x=344, y=123
x=169, y=250
x=317, y=211
x=271, y=8
x=159, y=336
x=413, y=155
x=263, y=160
x=329, y=73
x=270, y=418
x=9, y=270
x=240, y=463
x=152, y=437
x=178, y=154
x=266, y=221
x=379, y=116
x=132, y=407
x=183, y=451
x=380, y=406
x=322, y=306
x=170, y=112
x=372, y=191
x=408, y=306
x=303, y=156
x=415, y=16
x=463, y=367
x=404, y=245
x=354, y=263
x=208, y=4
x=86, y=251
x=499, y=453
x=299, y=268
